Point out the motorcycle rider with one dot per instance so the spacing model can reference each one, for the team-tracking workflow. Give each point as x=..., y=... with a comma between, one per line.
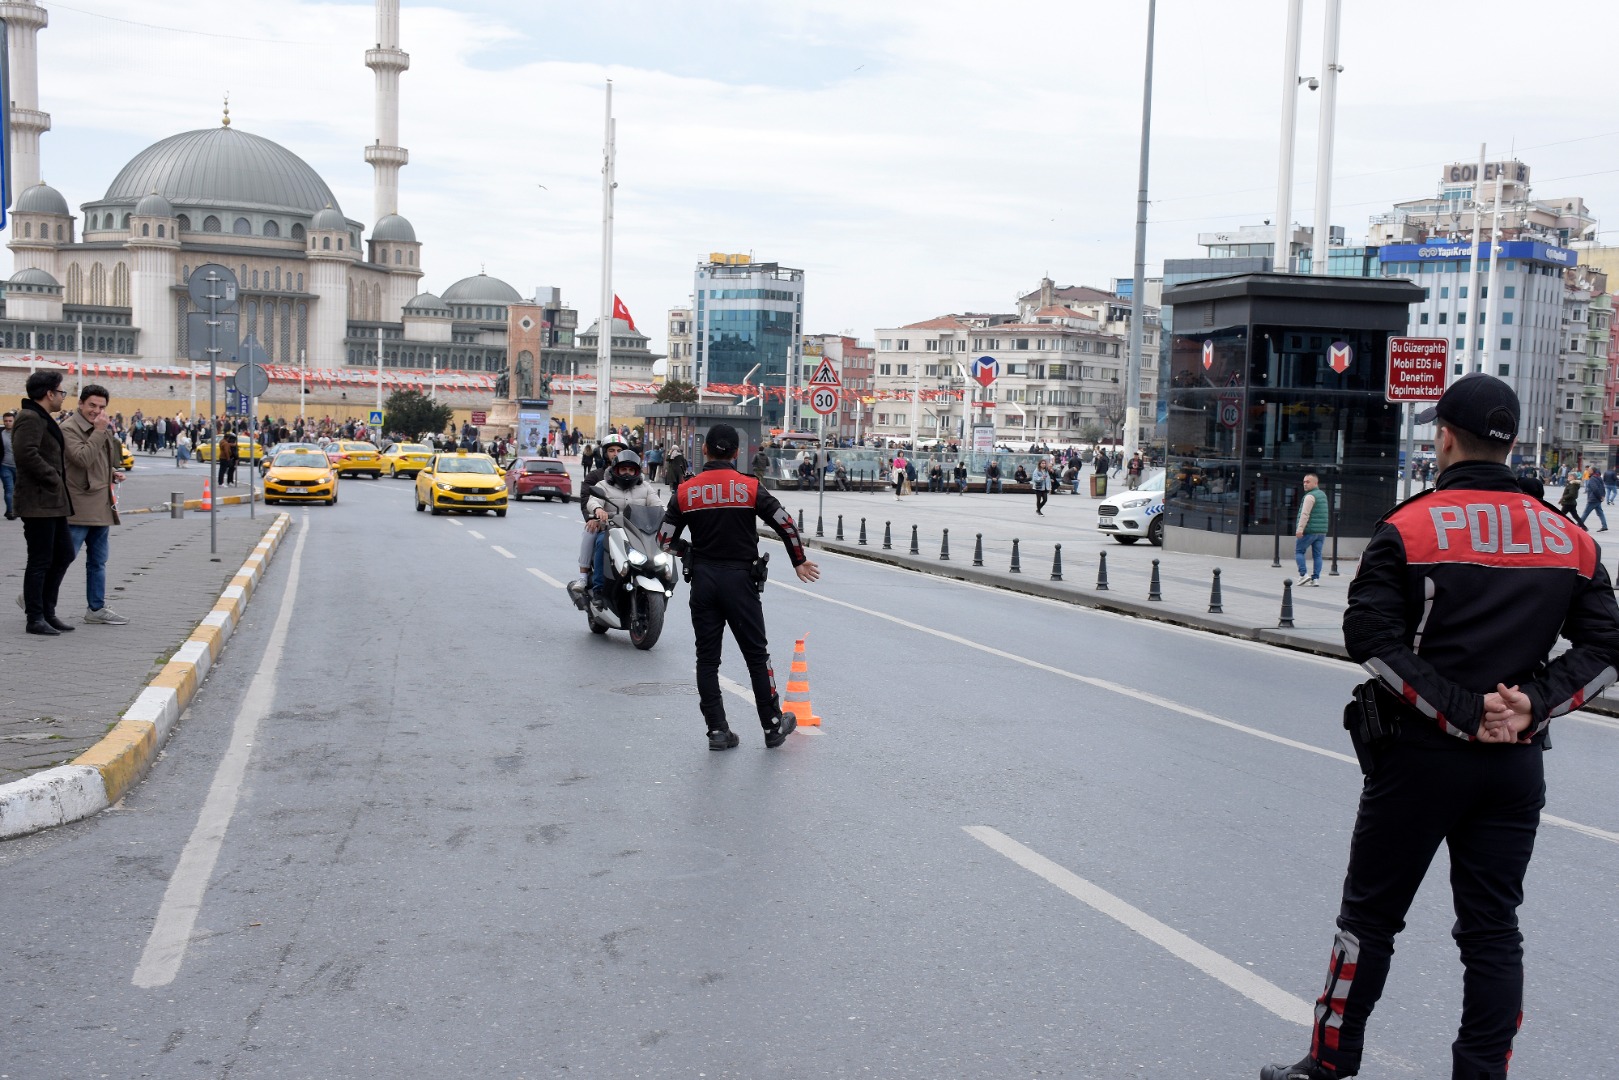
x=625, y=487
x=611, y=447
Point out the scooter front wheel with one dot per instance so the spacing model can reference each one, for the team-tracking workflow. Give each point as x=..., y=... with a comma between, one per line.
x=646, y=620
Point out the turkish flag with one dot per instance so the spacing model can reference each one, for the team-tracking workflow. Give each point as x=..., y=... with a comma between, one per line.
x=622, y=312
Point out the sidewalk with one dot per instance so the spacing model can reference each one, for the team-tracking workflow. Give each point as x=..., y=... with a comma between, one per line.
x=60, y=695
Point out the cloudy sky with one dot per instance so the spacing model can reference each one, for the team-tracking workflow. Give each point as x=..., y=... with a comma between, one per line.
x=914, y=158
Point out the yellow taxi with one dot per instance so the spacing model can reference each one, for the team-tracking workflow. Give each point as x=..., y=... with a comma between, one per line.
x=461, y=481
x=406, y=458
x=126, y=460
x=300, y=476
x=244, y=444
x=355, y=457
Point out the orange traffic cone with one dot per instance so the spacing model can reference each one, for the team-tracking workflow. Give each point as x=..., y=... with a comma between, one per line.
x=798, y=699
x=207, y=495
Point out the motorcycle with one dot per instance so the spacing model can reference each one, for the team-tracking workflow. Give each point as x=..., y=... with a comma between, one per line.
x=640, y=578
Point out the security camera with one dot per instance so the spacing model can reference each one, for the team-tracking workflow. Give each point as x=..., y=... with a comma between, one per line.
x=1313, y=83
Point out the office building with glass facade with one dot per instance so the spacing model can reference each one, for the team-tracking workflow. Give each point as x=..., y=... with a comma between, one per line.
x=747, y=313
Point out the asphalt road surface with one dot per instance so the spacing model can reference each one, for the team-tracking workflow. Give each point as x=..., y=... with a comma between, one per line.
x=421, y=823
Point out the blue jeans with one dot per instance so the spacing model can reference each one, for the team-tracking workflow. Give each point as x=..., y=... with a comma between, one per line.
x=8, y=477
x=1594, y=504
x=1307, y=543
x=94, y=538
x=598, y=562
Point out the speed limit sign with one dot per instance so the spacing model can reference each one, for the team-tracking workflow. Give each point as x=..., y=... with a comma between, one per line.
x=824, y=400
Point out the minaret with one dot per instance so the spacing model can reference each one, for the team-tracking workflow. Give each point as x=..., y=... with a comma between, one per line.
x=385, y=155
x=24, y=20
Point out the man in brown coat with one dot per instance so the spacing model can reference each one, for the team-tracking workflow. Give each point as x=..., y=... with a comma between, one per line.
x=42, y=501
x=92, y=469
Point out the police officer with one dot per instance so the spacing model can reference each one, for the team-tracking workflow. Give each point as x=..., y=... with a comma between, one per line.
x=720, y=505
x=1459, y=599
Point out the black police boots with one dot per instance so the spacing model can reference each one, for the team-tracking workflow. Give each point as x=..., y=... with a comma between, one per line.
x=783, y=727
x=722, y=740
x=1304, y=1070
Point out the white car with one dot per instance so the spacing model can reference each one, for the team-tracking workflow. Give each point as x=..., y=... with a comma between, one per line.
x=1130, y=515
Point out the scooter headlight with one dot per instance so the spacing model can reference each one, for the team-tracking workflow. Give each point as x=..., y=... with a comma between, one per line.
x=637, y=558
x=662, y=560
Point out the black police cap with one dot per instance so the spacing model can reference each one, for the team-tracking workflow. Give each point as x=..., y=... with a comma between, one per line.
x=1477, y=403
x=721, y=441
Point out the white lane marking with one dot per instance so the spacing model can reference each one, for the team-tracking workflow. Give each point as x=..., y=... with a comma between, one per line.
x=547, y=578
x=182, y=900
x=503, y=551
x=475, y=534
x=1150, y=699
x=454, y=522
x=1089, y=680
x=743, y=692
x=1260, y=991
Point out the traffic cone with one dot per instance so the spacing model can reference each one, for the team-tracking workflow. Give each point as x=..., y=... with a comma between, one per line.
x=798, y=699
x=207, y=495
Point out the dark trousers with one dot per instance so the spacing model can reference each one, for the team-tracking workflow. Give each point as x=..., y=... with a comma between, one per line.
x=1483, y=802
x=227, y=470
x=722, y=594
x=1040, y=497
x=50, y=553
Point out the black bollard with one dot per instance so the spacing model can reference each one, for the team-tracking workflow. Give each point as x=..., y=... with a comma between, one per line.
x=1276, y=551
x=1017, y=565
x=944, y=548
x=1101, y=573
x=862, y=532
x=1215, y=605
x=801, y=519
x=840, y=528
x=1056, y=564
x=1287, y=604
x=978, y=551
x=916, y=548
x=888, y=536
x=819, y=531
x=1153, y=590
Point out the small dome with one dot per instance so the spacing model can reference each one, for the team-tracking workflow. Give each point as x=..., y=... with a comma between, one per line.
x=41, y=199
x=620, y=329
x=393, y=227
x=427, y=304
x=329, y=218
x=482, y=289
x=34, y=276
x=154, y=205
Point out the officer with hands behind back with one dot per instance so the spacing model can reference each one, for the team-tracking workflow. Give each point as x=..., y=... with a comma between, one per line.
x=719, y=505
x=1460, y=597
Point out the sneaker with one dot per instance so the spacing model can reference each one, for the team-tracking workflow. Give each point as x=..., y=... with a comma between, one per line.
x=104, y=615
x=1304, y=1070
x=777, y=733
x=722, y=740
x=1302, y=582
x=1309, y=582
x=578, y=592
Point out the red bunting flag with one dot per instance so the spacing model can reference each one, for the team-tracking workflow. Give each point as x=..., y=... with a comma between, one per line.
x=622, y=312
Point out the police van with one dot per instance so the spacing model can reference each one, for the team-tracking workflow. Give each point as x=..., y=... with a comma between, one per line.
x=1130, y=515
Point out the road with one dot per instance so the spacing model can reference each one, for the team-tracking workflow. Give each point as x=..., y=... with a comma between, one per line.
x=420, y=823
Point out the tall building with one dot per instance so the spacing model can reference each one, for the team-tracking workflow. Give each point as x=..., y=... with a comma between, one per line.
x=680, y=345
x=747, y=323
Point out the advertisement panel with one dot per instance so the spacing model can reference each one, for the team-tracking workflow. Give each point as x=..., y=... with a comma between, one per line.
x=533, y=426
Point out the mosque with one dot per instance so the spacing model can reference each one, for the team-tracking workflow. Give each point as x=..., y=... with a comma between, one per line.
x=315, y=289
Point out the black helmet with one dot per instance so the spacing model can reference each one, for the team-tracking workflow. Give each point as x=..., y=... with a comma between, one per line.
x=628, y=457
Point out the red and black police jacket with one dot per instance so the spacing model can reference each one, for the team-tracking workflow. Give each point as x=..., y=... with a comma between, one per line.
x=720, y=506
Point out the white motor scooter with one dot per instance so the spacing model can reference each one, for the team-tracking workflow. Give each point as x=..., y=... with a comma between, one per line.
x=640, y=578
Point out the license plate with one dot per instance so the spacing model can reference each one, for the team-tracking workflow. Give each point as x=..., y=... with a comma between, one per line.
x=477, y=498
x=297, y=491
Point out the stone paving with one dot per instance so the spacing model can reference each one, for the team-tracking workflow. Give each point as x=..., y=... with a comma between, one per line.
x=59, y=695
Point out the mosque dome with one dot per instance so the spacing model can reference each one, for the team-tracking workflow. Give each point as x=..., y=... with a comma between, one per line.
x=481, y=289
x=222, y=167
x=329, y=218
x=34, y=276
x=154, y=205
x=394, y=228
x=427, y=304
x=41, y=199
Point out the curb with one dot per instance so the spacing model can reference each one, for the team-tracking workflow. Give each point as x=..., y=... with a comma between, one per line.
x=196, y=504
x=106, y=771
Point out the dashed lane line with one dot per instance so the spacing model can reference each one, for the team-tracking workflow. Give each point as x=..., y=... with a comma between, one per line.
x=547, y=578
x=475, y=534
x=503, y=551
x=1260, y=991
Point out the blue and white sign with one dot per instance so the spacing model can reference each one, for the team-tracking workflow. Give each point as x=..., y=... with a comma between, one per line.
x=376, y=418
x=1532, y=250
x=985, y=370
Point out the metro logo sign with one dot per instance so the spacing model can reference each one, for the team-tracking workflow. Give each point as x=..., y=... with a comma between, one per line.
x=1417, y=369
x=1340, y=355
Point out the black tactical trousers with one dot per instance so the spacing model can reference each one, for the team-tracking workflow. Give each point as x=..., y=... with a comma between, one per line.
x=1483, y=802
x=723, y=594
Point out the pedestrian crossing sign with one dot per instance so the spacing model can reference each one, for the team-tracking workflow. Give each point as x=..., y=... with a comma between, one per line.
x=825, y=375
x=376, y=417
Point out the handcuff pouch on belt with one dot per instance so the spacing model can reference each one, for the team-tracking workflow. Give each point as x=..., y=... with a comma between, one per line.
x=1372, y=719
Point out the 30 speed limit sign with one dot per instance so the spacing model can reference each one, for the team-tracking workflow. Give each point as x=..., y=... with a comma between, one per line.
x=824, y=400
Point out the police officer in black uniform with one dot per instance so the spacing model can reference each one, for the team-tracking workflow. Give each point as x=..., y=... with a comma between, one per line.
x=1461, y=594
x=720, y=506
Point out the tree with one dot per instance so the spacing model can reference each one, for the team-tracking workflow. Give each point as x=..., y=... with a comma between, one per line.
x=675, y=390
x=413, y=412
x=1112, y=413
x=1090, y=432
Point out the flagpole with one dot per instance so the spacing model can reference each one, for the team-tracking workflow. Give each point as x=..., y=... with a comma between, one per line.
x=604, y=331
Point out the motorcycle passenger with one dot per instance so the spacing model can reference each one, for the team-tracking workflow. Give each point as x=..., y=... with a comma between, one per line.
x=611, y=447
x=624, y=487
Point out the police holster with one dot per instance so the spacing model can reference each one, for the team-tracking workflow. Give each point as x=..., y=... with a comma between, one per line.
x=1372, y=719
x=759, y=572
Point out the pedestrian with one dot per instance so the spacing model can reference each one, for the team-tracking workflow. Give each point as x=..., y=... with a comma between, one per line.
x=42, y=501
x=1462, y=764
x=992, y=477
x=1595, y=493
x=1610, y=483
x=760, y=465
x=1310, y=531
x=654, y=459
x=1132, y=473
x=229, y=454
x=674, y=468
x=720, y=507
x=960, y=475
x=936, y=477
x=8, y=462
x=899, y=473
x=92, y=456
x=1569, y=501
x=1042, y=486
x=182, y=449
